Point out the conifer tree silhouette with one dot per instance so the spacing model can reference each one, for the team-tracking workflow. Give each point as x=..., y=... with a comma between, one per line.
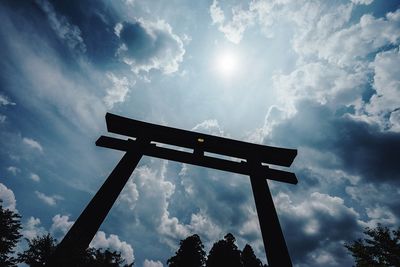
x=41, y=248
x=10, y=226
x=190, y=253
x=224, y=253
x=249, y=259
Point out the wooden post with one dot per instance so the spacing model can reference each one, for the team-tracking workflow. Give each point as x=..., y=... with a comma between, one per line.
x=78, y=238
x=274, y=241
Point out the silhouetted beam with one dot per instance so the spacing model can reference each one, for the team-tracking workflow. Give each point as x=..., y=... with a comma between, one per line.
x=205, y=161
x=274, y=241
x=75, y=242
x=207, y=143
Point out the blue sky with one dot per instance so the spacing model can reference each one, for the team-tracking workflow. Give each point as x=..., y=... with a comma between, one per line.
x=318, y=76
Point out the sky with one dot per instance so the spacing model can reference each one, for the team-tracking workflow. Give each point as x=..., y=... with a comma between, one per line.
x=321, y=77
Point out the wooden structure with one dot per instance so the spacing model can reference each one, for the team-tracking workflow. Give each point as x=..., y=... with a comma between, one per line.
x=148, y=139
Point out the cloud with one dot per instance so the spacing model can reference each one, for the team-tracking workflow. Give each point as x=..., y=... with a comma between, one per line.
x=151, y=263
x=14, y=170
x=34, y=177
x=60, y=226
x=202, y=223
x=129, y=195
x=70, y=34
x=33, y=144
x=113, y=242
x=149, y=45
x=118, y=92
x=49, y=200
x=2, y=118
x=32, y=228
x=51, y=81
x=8, y=198
x=4, y=101
x=381, y=215
x=362, y=2
x=234, y=29
x=387, y=86
x=356, y=41
x=209, y=126
x=314, y=227
x=359, y=148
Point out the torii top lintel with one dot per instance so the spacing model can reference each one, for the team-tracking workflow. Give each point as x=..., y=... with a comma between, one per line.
x=200, y=143
x=209, y=143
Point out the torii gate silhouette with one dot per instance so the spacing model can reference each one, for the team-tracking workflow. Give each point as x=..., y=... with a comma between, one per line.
x=148, y=138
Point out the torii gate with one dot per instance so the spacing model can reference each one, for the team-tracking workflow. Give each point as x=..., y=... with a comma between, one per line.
x=254, y=157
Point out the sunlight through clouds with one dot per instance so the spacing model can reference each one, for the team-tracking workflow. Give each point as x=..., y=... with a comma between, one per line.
x=318, y=76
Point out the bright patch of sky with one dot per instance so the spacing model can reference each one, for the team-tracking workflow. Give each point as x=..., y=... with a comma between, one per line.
x=318, y=76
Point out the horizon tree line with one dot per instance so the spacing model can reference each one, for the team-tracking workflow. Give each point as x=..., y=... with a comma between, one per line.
x=379, y=247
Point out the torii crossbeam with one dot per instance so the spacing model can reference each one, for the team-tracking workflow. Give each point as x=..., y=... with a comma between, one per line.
x=149, y=140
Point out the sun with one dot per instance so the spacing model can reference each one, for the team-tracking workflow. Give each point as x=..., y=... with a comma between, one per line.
x=226, y=63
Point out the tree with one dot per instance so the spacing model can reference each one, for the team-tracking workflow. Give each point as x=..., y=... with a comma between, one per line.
x=249, y=259
x=10, y=226
x=380, y=248
x=106, y=258
x=224, y=253
x=190, y=253
x=41, y=247
x=39, y=251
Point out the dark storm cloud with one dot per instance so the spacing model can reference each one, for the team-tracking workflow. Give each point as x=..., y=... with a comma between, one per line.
x=320, y=223
x=148, y=45
x=96, y=21
x=361, y=148
x=139, y=41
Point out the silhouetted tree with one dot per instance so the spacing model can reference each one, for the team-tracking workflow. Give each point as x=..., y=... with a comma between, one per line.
x=10, y=226
x=224, y=253
x=381, y=248
x=40, y=249
x=106, y=258
x=249, y=259
x=190, y=253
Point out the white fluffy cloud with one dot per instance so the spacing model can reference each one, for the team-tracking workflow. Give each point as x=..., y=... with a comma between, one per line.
x=151, y=263
x=387, y=86
x=118, y=90
x=362, y=2
x=8, y=198
x=60, y=226
x=129, y=195
x=234, y=28
x=32, y=144
x=113, y=242
x=32, y=228
x=34, y=177
x=49, y=200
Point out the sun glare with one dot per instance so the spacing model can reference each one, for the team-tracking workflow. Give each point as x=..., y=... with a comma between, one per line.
x=226, y=63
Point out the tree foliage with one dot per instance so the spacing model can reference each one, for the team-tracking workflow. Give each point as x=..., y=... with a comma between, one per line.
x=380, y=248
x=106, y=258
x=249, y=259
x=39, y=251
x=41, y=247
x=224, y=253
x=190, y=253
x=10, y=226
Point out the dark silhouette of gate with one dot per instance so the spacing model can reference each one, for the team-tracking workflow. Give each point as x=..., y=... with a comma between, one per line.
x=148, y=140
